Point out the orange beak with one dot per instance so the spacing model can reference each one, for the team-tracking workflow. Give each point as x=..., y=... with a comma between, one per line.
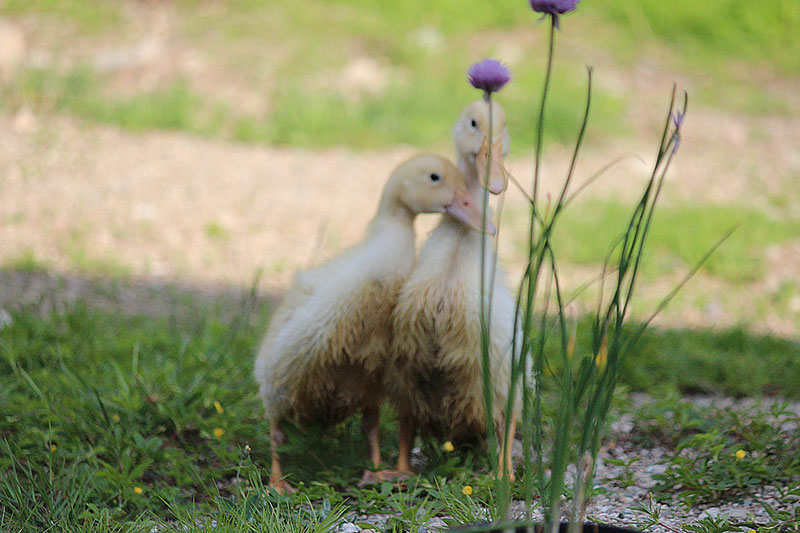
x=465, y=209
x=497, y=180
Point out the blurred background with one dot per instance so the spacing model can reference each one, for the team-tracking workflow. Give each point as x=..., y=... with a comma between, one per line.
x=200, y=145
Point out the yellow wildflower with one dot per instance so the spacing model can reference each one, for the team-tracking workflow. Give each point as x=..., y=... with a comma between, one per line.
x=115, y=417
x=740, y=454
x=53, y=447
x=573, y=334
x=138, y=490
x=219, y=432
x=602, y=354
x=751, y=531
x=218, y=407
x=466, y=490
x=448, y=446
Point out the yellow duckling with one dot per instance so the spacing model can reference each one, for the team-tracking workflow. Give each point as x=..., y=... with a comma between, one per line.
x=435, y=377
x=325, y=352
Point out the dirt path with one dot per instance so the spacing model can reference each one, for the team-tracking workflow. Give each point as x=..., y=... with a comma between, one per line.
x=77, y=197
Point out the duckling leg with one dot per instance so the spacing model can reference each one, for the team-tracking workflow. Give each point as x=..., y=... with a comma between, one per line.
x=406, y=442
x=370, y=425
x=277, y=438
x=504, y=466
x=370, y=417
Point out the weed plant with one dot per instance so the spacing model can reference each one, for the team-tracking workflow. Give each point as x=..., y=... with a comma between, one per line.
x=583, y=379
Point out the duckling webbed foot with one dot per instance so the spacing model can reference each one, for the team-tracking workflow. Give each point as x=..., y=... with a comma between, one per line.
x=373, y=477
x=276, y=481
x=282, y=486
x=394, y=475
x=369, y=478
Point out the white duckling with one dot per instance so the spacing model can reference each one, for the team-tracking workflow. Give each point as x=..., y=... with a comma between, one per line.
x=325, y=352
x=435, y=376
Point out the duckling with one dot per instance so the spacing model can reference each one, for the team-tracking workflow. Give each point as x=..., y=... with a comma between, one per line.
x=471, y=140
x=434, y=377
x=324, y=353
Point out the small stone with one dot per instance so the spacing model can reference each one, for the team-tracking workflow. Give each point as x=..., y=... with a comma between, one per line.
x=738, y=514
x=5, y=318
x=347, y=527
x=436, y=524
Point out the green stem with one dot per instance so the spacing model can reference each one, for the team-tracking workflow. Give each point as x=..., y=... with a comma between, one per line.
x=540, y=125
x=488, y=390
x=532, y=273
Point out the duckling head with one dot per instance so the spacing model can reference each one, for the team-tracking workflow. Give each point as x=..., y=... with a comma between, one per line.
x=471, y=138
x=429, y=183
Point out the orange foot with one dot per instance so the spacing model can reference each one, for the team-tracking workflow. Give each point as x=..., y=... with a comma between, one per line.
x=371, y=478
x=511, y=476
x=283, y=487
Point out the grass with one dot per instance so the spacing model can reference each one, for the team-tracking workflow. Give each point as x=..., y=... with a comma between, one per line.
x=215, y=230
x=26, y=261
x=750, y=32
x=109, y=419
x=733, y=362
x=729, y=362
x=133, y=417
x=92, y=16
x=413, y=113
x=681, y=235
x=79, y=384
x=708, y=32
x=80, y=92
x=407, y=113
x=734, y=451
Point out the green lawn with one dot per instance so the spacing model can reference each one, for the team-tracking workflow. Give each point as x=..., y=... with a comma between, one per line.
x=107, y=418
x=681, y=235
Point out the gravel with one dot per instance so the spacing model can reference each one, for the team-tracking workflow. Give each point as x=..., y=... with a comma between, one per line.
x=615, y=505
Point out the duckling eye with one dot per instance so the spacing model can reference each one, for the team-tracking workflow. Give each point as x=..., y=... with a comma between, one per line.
x=435, y=177
x=473, y=123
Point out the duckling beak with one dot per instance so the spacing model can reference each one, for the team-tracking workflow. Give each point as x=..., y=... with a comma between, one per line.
x=497, y=181
x=465, y=209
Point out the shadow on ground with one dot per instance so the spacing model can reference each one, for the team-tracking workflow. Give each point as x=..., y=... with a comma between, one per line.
x=48, y=291
x=732, y=361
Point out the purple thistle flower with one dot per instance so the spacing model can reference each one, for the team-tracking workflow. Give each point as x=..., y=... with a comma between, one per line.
x=553, y=7
x=489, y=75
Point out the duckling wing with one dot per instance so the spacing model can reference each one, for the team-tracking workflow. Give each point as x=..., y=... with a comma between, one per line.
x=320, y=351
